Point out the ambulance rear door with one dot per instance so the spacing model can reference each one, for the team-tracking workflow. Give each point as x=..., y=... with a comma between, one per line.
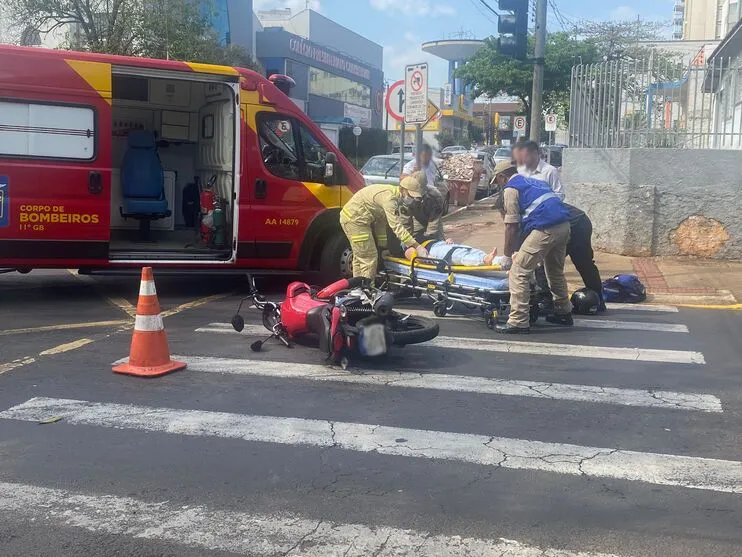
x=55, y=160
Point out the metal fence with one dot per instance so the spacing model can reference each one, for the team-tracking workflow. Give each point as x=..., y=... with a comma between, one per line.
x=658, y=101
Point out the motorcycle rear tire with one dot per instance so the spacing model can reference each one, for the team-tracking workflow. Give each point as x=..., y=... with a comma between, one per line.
x=416, y=330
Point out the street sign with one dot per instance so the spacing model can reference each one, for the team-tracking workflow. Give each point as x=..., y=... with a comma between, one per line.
x=395, y=100
x=357, y=131
x=416, y=93
x=519, y=126
x=550, y=122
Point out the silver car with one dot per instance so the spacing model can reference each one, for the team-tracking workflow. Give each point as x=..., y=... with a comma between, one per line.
x=503, y=154
x=384, y=169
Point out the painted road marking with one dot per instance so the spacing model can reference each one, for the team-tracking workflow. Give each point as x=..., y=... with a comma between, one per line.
x=502, y=452
x=244, y=533
x=579, y=322
x=457, y=383
x=521, y=347
x=66, y=347
x=15, y=364
x=64, y=327
x=643, y=307
x=570, y=350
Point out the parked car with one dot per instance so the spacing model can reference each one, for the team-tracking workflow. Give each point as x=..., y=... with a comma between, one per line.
x=408, y=149
x=488, y=167
x=503, y=154
x=384, y=169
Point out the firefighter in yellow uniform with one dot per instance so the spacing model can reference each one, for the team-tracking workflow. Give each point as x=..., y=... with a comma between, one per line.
x=364, y=219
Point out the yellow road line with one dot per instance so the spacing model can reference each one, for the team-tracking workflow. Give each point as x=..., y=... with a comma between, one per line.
x=64, y=327
x=732, y=307
x=196, y=303
x=20, y=362
x=121, y=303
x=66, y=347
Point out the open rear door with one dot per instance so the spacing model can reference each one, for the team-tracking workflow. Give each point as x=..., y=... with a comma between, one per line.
x=55, y=162
x=219, y=151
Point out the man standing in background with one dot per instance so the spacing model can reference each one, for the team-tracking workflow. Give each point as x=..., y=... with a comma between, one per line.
x=527, y=155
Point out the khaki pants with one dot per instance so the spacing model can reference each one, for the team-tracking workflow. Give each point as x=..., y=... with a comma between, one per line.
x=365, y=254
x=549, y=246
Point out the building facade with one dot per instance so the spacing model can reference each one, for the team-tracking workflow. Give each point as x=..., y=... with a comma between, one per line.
x=709, y=19
x=331, y=87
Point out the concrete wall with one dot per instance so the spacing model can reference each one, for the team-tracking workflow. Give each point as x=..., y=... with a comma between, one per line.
x=659, y=201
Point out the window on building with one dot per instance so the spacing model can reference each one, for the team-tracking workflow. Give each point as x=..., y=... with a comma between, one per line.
x=326, y=84
x=278, y=146
x=314, y=156
x=47, y=131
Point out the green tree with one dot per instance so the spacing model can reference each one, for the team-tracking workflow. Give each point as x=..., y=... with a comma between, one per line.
x=493, y=74
x=445, y=139
x=174, y=29
x=616, y=40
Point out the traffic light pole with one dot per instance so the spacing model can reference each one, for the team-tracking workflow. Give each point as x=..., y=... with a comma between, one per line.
x=537, y=96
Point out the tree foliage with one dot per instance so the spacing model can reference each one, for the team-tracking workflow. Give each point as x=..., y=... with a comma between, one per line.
x=616, y=40
x=175, y=29
x=493, y=74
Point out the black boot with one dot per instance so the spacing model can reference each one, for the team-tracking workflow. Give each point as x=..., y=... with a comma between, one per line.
x=508, y=329
x=564, y=319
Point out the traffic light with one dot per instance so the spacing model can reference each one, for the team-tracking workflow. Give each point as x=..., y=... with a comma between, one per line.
x=513, y=28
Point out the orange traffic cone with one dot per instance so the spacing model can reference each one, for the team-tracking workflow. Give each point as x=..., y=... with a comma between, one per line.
x=150, y=355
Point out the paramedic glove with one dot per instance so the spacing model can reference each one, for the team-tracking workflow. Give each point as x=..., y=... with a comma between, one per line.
x=421, y=251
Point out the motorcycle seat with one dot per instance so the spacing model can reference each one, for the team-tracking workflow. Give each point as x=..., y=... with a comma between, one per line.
x=319, y=322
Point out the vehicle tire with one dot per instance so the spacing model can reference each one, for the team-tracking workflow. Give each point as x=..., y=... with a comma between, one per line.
x=413, y=330
x=440, y=309
x=336, y=260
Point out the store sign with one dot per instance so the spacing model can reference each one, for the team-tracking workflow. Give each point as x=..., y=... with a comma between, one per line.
x=313, y=52
x=360, y=116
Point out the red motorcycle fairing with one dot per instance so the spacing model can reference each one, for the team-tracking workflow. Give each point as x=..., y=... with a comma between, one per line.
x=343, y=284
x=295, y=307
x=336, y=344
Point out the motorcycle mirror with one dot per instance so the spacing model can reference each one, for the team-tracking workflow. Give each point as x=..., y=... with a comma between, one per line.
x=238, y=323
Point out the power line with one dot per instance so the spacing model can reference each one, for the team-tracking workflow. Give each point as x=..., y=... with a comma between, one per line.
x=484, y=14
x=490, y=8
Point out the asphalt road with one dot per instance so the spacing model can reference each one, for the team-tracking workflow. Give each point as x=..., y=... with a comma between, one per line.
x=619, y=437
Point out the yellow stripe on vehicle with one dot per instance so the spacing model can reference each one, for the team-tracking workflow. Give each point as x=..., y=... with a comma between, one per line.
x=330, y=196
x=95, y=74
x=212, y=69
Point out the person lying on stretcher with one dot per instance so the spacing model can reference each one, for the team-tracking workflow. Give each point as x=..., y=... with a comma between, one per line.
x=462, y=255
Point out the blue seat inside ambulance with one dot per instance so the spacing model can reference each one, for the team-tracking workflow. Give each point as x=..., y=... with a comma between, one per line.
x=142, y=181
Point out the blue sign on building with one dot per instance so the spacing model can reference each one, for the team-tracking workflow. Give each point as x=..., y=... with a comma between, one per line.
x=4, y=201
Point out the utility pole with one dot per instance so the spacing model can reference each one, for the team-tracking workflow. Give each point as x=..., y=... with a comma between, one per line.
x=537, y=96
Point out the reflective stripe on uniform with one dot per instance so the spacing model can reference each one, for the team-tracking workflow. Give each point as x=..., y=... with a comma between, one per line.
x=538, y=201
x=359, y=238
x=346, y=213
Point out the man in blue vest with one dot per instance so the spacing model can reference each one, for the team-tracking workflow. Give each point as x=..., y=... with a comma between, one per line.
x=534, y=213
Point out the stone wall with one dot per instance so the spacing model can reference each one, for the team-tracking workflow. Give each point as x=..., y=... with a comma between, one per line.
x=659, y=201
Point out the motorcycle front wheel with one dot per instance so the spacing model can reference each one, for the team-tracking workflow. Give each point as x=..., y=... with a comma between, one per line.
x=412, y=329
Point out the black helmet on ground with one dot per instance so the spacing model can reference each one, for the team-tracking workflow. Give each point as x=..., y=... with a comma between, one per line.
x=585, y=302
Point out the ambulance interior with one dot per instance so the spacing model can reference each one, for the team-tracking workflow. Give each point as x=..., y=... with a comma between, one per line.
x=173, y=168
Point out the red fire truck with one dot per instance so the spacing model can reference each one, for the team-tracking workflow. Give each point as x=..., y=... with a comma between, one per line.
x=110, y=162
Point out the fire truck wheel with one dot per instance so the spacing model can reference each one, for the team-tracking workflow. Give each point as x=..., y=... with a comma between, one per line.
x=337, y=259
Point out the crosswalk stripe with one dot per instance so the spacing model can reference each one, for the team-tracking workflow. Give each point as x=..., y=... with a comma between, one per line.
x=579, y=322
x=518, y=454
x=244, y=533
x=522, y=347
x=643, y=307
x=458, y=383
x=570, y=350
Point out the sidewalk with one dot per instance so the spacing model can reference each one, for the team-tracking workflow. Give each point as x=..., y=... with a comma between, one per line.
x=669, y=280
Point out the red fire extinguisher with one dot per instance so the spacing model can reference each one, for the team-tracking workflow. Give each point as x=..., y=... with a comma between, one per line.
x=207, y=201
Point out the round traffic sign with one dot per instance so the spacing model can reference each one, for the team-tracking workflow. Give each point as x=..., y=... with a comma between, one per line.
x=395, y=100
x=357, y=131
x=417, y=80
x=519, y=122
x=551, y=118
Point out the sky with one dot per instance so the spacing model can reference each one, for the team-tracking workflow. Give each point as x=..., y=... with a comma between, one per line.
x=400, y=26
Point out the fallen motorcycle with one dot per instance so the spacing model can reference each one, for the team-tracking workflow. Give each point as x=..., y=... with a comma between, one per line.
x=349, y=318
